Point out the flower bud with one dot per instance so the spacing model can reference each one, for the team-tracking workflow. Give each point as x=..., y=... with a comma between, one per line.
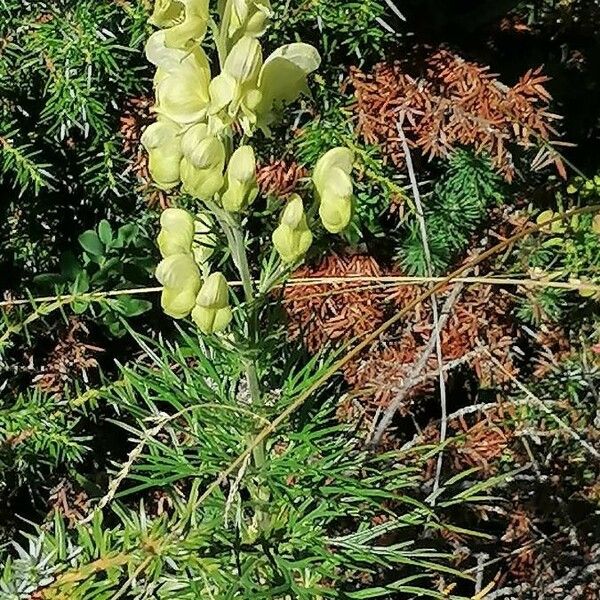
x=292, y=238
x=242, y=187
x=203, y=163
x=177, y=232
x=162, y=141
x=212, y=312
x=180, y=278
x=334, y=188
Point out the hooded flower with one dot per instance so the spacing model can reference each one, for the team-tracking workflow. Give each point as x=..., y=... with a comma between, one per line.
x=256, y=90
x=242, y=187
x=212, y=312
x=292, y=238
x=203, y=162
x=235, y=89
x=177, y=272
x=334, y=188
x=283, y=78
x=162, y=141
x=186, y=20
x=181, y=82
x=179, y=276
x=244, y=17
x=176, y=232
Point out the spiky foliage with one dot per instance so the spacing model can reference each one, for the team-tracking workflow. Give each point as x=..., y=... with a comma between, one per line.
x=65, y=70
x=37, y=431
x=460, y=200
x=305, y=520
x=362, y=29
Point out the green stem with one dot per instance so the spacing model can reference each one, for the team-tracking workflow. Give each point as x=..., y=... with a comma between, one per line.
x=259, y=451
x=235, y=238
x=243, y=267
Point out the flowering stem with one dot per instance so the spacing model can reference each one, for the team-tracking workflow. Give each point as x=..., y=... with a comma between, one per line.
x=239, y=250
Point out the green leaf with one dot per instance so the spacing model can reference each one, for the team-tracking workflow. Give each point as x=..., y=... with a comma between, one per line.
x=81, y=284
x=91, y=243
x=79, y=306
x=105, y=232
x=70, y=267
x=125, y=235
x=110, y=269
x=132, y=307
x=48, y=279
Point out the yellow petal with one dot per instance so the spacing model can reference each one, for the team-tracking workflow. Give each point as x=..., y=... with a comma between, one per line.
x=177, y=232
x=163, y=144
x=283, y=77
x=340, y=158
x=244, y=61
x=192, y=28
x=242, y=188
x=200, y=183
x=242, y=165
x=291, y=245
x=292, y=238
x=335, y=213
x=202, y=150
x=178, y=271
x=214, y=292
x=211, y=320
x=256, y=24
x=166, y=12
x=182, y=91
x=246, y=17
x=223, y=89
x=178, y=303
x=334, y=188
x=204, y=318
x=223, y=317
x=180, y=278
x=293, y=214
x=159, y=55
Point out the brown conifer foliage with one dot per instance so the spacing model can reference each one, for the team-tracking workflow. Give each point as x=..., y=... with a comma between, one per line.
x=457, y=103
x=321, y=313
x=324, y=313
x=280, y=178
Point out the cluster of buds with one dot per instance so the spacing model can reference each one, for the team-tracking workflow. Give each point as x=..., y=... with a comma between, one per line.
x=186, y=245
x=191, y=143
